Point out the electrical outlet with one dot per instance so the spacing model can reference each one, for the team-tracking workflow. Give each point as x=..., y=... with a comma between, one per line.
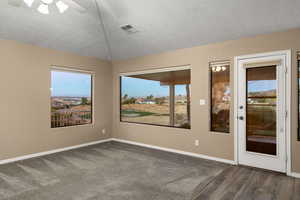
x=196, y=142
x=103, y=131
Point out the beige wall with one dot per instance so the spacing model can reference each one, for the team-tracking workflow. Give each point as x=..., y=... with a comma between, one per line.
x=25, y=100
x=25, y=97
x=212, y=144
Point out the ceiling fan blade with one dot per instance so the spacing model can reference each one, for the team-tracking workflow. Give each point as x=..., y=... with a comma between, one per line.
x=75, y=5
x=15, y=3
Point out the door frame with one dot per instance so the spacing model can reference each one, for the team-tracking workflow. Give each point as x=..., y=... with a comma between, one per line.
x=287, y=54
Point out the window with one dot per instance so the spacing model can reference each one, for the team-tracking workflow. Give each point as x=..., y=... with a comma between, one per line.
x=220, y=96
x=71, y=98
x=298, y=96
x=157, y=98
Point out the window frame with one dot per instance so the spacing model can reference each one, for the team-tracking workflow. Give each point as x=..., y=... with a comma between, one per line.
x=298, y=96
x=79, y=71
x=210, y=65
x=151, y=71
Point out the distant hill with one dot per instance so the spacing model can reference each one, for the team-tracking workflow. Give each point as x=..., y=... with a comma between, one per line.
x=268, y=93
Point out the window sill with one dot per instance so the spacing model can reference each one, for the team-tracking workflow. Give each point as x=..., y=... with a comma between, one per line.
x=155, y=125
x=220, y=133
x=75, y=126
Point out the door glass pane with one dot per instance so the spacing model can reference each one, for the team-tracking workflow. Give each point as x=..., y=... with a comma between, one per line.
x=261, y=110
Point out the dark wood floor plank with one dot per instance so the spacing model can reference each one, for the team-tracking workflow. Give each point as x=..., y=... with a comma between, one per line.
x=217, y=185
x=235, y=185
x=245, y=190
x=266, y=188
x=248, y=187
x=296, y=191
x=284, y=188
x=243, y=183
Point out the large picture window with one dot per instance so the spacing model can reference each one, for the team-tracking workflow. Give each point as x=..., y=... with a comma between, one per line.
x=220, y=96
x=71, y=98
x=157, y=98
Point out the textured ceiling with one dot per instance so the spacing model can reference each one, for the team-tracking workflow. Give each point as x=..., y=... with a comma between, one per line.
x=163, y=24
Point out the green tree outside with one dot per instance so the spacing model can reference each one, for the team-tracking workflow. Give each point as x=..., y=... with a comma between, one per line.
x=84, y=101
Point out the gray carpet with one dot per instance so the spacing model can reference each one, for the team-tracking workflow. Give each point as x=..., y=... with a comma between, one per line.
x=115, y=171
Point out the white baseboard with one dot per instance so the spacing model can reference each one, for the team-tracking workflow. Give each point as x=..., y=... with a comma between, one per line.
x=176, y=151
x=6, y=161
x=10, y=160
x=294, y=174
x=51, y=152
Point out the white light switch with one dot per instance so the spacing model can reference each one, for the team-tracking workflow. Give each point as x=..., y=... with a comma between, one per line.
x=202, y=102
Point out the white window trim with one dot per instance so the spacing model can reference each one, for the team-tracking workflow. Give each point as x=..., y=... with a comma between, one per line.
x=71, y=69
x=80, y=71
x=157, y=70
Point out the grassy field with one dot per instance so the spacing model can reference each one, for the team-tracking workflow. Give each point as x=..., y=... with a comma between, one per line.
x=136, y=113
x=150, y=108
x=154, y=108
x=153, y=113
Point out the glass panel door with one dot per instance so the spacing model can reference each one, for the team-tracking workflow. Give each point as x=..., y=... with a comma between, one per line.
x=261, y=104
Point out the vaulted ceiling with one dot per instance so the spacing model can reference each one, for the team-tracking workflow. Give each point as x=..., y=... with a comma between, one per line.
x=162, y=25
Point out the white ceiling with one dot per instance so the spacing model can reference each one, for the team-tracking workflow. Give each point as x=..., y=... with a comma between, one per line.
x=163, y=24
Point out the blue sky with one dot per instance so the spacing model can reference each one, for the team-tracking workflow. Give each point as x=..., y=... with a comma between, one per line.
x=70, y=84
x=77, y=84
x=135, y=87
x=261, y=85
